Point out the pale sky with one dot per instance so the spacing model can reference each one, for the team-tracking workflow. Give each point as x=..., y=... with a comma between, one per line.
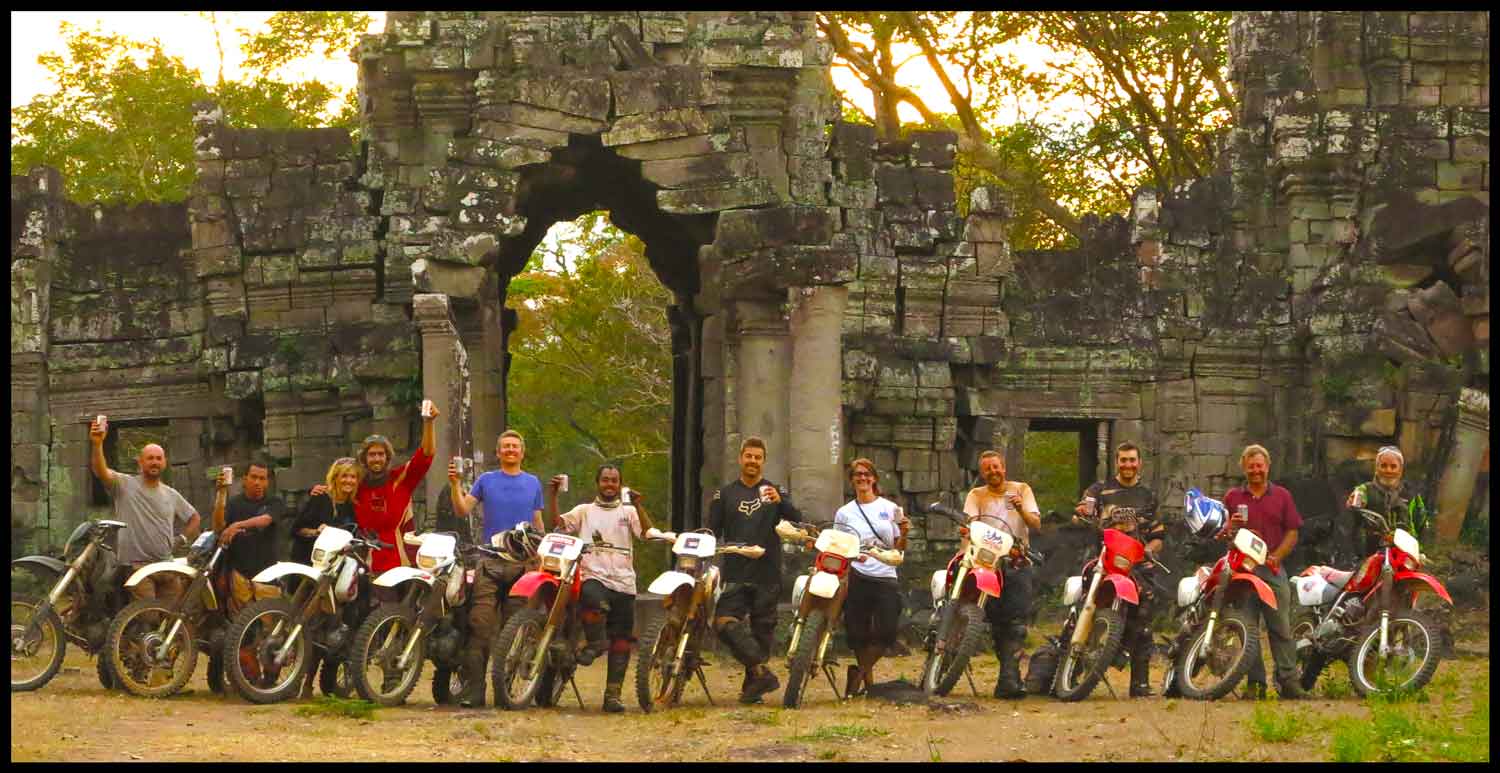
x=190, y=36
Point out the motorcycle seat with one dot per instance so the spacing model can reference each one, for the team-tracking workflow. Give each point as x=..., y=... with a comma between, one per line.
x=1337, y=578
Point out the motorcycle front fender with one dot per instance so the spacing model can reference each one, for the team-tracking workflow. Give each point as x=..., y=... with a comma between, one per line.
x=824, y=585
x=395, y=576
x=669, y=582
x=987, y=580
x=530, y=583
x=1125, y=589
x=1416, y=580
x=1262, y=590
x=282, y=569
x=158, y=567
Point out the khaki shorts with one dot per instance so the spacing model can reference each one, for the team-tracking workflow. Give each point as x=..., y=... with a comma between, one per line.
x=166, y=586
x=242, y=591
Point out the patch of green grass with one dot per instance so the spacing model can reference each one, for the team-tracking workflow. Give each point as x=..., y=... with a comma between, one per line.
x=842, y=733
x=1272, y=723
x=828, y=754
x=1400, y=731
x=1335, y=688
x=333, y=706
x=767, y=718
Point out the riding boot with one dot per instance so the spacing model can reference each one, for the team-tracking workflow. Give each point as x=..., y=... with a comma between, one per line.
x=471, y=666
x=1140, y=673
x=1008, y=683
x=593, y=631
x=615, y=681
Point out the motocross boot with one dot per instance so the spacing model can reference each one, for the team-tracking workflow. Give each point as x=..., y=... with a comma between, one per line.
x=593, y=631
x=1289, y=690
x=1140, y=673
x=1008, y=652
x=471, y=665
x=758, y=683
x=615, y=681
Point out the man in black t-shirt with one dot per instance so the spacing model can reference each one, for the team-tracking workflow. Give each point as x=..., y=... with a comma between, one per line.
x=1125, y=490
x=747, y=511
x=245, y=524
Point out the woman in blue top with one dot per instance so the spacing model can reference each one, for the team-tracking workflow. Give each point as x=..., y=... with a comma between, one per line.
x=872, y=610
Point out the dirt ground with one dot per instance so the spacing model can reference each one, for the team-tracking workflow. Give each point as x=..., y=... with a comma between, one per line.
x=74, y=719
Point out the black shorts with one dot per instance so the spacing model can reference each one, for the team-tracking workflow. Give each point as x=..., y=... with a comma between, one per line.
x=619, y=621
x=872, y=610
x=750, y=603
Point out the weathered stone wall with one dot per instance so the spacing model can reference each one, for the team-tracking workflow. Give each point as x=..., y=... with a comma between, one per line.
x=1325, y=291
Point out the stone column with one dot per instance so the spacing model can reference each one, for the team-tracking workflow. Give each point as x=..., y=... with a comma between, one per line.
x=445, y=381
x=1470, y=439
x=815, y=410
x=1104, y=462
x=760, y=385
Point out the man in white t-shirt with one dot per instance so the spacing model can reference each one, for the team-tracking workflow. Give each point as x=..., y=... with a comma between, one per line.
x=1013, y=503
x=608, y=592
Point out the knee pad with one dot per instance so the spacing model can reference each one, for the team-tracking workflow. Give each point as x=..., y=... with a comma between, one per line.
x=619, y=646
x=591, y=616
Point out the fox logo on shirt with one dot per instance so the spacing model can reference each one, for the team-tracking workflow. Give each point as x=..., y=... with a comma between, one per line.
x=749, y=506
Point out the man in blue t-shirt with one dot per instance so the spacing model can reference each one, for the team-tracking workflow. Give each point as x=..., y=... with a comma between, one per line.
x=510, y=497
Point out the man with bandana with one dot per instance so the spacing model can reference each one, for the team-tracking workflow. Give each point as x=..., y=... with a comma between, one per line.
x=1390, y=495
x=608, y=593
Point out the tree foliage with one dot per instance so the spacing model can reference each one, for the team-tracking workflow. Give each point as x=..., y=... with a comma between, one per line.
x=591, y=375
x=1152, y=85
x=119, y=126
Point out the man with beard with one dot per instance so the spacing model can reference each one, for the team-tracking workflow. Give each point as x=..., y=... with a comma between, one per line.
x=1126, y=491
x=151, y=510
x=608, y=593
x=747, y=510
x=1012, y=503
x=1272, y=515
x=510, y=497
x=1389, y=495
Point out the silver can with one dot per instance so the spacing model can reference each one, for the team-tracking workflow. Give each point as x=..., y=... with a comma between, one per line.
x=427, y=407
x=102, y=422
x=1090, y=504
x=625, y=496
x=564, y=485
x=1242, y=513
x=228, y=471
x=765, y=493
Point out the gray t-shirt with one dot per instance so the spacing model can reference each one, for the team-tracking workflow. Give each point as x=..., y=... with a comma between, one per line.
x=151, y=516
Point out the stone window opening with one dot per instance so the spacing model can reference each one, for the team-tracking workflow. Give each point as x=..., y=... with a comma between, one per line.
x=1061, y=458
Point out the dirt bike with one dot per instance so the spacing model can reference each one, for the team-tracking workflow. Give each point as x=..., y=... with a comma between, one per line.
x=669, y=649
x=270, y=642
x=153, y=645
x=535, y=653
x=84, y=596
x=1219, y=633
x=959, y=593
x=430, y=622
x=819, y=597
x=1367, y=617
x=1092, y=638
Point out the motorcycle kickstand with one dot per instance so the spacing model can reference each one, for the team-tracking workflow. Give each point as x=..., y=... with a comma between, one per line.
x=1105, y=679
x=703, y=680
x=833, y=685
x=969, y=674
x=576, y=694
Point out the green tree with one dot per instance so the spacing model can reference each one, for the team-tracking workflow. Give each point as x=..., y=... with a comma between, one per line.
x=591, y=376
x=119, y=126
x=1153, y=85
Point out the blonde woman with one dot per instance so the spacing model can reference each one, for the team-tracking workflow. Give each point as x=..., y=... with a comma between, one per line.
x=332, y=507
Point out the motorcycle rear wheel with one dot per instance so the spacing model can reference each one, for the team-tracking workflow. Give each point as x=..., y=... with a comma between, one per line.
x=554, y=683
x=249, y=644
x=655, y=682
x=43, y=652
x=1236, y=645
x=133, y=638
x=511, y=657
x=377, y=644
x=965, y=636
x=801, y=669
x=1079, y=672
x=1410, y=632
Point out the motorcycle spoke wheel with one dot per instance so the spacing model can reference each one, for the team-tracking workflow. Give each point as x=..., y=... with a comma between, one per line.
x=1082, y=667
x=1213, y=674
x=802, y=668
x=35, y=657
x=964, y=639
x=378, y=645
x=1409, y=663
x=135, y=649
x=656, y=682
x=514, y=678
x=258, y=632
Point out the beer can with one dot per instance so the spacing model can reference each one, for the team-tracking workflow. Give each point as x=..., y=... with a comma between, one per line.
x=102, y=422
x=1089, y=504
x=564, y=485
x=427, y=407
x=765, y=493
x=625, y=495
x=1242, y=513
x=228, y=475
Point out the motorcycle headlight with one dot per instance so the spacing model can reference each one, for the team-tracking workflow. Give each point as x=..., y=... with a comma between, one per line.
x=1248, y=563
x=986, y=558
x=426, y=563
x=319, y=559
x=552, y=563
x=687, y=563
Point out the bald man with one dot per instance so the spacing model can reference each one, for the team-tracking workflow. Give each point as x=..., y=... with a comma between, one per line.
x=151, y=510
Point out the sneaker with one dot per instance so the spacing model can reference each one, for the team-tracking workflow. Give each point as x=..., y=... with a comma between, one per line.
x=853, y=687
x=1288, y=690
x=1141, y=691
x=1254, y=691
x=612, y=705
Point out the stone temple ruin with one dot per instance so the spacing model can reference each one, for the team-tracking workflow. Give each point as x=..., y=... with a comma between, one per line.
x=1326, y=291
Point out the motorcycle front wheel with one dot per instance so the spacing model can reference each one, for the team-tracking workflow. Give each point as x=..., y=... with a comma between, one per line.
x=963, y=638
x=34, y=658
x=378, y=644
x=1213, y=674
x=1411, y=660
x=513, y=678
x=136, y=637
x=1083, y=667
x=800, y=670
x=257, y=633
x=656, y=681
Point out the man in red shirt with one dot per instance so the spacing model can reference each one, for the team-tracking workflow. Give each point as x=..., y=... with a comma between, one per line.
x=383, y=501
x=1272, y=515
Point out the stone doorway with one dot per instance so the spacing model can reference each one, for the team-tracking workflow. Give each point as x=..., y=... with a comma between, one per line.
x=1047, y=442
